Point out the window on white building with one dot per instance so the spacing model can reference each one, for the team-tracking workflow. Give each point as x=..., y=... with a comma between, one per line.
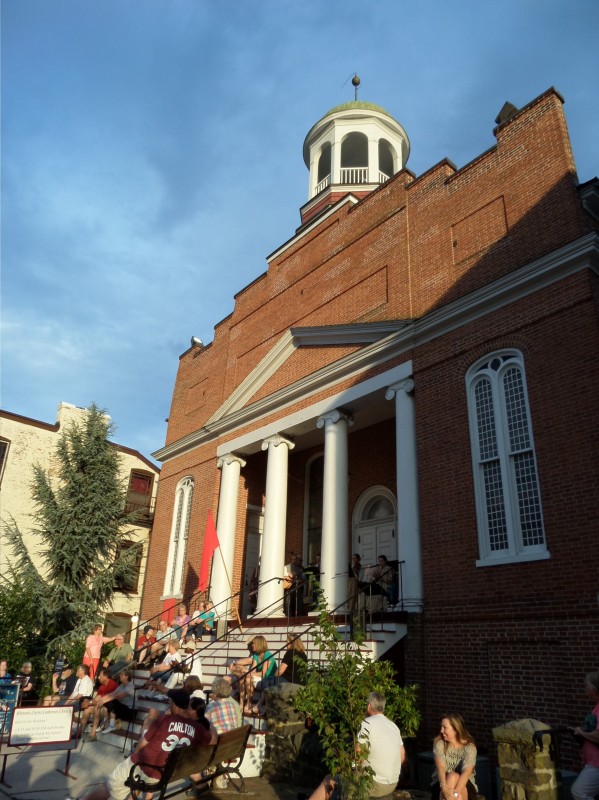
x=508, y=498
x=179, y=534
x=3, y=454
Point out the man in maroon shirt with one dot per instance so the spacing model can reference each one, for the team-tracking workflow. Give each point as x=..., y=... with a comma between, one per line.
x=168, y=732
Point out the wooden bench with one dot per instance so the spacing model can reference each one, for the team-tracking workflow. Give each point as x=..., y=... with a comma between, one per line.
x=223, y=758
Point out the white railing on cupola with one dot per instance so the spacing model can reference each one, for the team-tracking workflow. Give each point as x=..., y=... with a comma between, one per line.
x=323, y=184
x=354, y=175
x=350, y=175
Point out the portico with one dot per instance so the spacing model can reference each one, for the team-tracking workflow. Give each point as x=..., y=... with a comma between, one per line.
x=327, y=424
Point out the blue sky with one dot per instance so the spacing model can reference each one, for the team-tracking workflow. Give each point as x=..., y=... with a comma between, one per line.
x=152, y=158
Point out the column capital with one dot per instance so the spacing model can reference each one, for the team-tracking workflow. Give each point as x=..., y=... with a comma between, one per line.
x=407, y=386
x=334, y=416
x=228, y=459
x=276, y=440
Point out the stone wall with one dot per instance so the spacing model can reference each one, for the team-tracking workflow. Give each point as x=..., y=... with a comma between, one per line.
x=527, y=771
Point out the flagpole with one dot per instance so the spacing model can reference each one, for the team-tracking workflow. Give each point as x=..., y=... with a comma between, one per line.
x=230, y=589
x=212, y=543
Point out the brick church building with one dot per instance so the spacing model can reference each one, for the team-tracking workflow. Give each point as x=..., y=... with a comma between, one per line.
x=416, y=374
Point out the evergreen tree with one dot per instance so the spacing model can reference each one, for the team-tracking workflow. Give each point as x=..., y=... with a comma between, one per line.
x=80, y=519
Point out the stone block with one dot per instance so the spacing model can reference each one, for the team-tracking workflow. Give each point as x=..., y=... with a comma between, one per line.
x=519, y=731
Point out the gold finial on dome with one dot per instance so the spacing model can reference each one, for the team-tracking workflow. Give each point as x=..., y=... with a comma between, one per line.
x=355, y=82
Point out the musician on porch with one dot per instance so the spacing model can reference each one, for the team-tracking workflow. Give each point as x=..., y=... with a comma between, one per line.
x=293, y=585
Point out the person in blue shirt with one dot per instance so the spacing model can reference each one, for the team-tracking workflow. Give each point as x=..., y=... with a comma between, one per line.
x=5, y=676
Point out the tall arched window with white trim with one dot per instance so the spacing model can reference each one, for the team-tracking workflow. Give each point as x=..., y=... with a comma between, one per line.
x=177, y=551
x=508, y=496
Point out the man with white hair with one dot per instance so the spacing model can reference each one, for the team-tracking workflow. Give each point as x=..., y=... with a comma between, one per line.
x=119, y=657
x=381, y=739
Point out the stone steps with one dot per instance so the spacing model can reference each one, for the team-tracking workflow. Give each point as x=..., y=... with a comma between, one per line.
x=215, y=657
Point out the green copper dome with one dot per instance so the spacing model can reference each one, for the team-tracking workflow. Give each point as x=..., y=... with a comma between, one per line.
x=357, y=104
x=356, y=115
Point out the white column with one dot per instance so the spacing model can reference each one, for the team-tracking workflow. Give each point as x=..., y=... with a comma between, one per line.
x=408, y=516
x=226, y=527
x=272, y=560
x=373, y=160
x=335, y=544
x=336, y=159
x=313, y=175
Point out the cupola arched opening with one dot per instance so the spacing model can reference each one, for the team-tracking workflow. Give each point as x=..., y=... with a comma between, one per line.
x=354, y=150
x=387, y=158
x=324, y=162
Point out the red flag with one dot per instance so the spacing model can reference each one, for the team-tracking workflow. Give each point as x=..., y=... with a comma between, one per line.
x=210, y=545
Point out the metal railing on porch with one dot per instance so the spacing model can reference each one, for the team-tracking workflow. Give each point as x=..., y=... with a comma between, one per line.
x=355, y=611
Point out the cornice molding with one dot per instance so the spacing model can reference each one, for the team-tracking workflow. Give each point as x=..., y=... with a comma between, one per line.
x=581, y=254
x=310, y=226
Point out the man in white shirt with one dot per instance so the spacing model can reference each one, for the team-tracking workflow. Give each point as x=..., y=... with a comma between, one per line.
x=381, y=743
x=84, y=688
x=382, y=740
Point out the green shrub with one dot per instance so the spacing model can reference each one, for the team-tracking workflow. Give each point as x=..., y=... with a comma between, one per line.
x=335, y=698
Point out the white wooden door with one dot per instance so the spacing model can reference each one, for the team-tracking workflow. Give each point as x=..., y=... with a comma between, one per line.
x=374, y=540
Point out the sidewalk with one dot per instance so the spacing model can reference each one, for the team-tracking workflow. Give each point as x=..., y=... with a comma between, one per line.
x=35, y=776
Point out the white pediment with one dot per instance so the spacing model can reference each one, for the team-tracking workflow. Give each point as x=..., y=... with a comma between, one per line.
x=290, y=341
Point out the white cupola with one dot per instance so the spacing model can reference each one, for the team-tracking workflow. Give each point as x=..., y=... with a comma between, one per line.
x=354, y=148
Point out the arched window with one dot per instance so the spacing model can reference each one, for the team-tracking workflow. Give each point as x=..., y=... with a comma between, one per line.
x=508, y=498
x=354, y=158
x=354, y=150
x=324, y=163
x=179, y=534
x=377, y=508
x=386, y=160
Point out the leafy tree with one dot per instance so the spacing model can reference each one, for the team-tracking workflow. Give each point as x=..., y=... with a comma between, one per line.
x=80, y=520
x=19, y=639
x=335, y=697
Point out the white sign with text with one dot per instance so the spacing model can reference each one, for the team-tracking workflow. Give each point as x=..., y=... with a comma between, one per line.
x=41, y=725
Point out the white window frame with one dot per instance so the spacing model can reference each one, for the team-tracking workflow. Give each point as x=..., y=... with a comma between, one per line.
x=177, y=550
x=492, y=372
x=5, y=443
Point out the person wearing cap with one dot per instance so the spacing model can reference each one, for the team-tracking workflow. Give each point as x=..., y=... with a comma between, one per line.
x=193, y=687
x=63, y=683
x=172, y=730
x=144, y=643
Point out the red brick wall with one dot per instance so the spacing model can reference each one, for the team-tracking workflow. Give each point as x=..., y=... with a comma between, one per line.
x=493, y=642
x=511, y=641
x=410, y=246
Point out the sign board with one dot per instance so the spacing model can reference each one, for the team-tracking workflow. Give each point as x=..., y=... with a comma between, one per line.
x=40, y=725
x=9, y=694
